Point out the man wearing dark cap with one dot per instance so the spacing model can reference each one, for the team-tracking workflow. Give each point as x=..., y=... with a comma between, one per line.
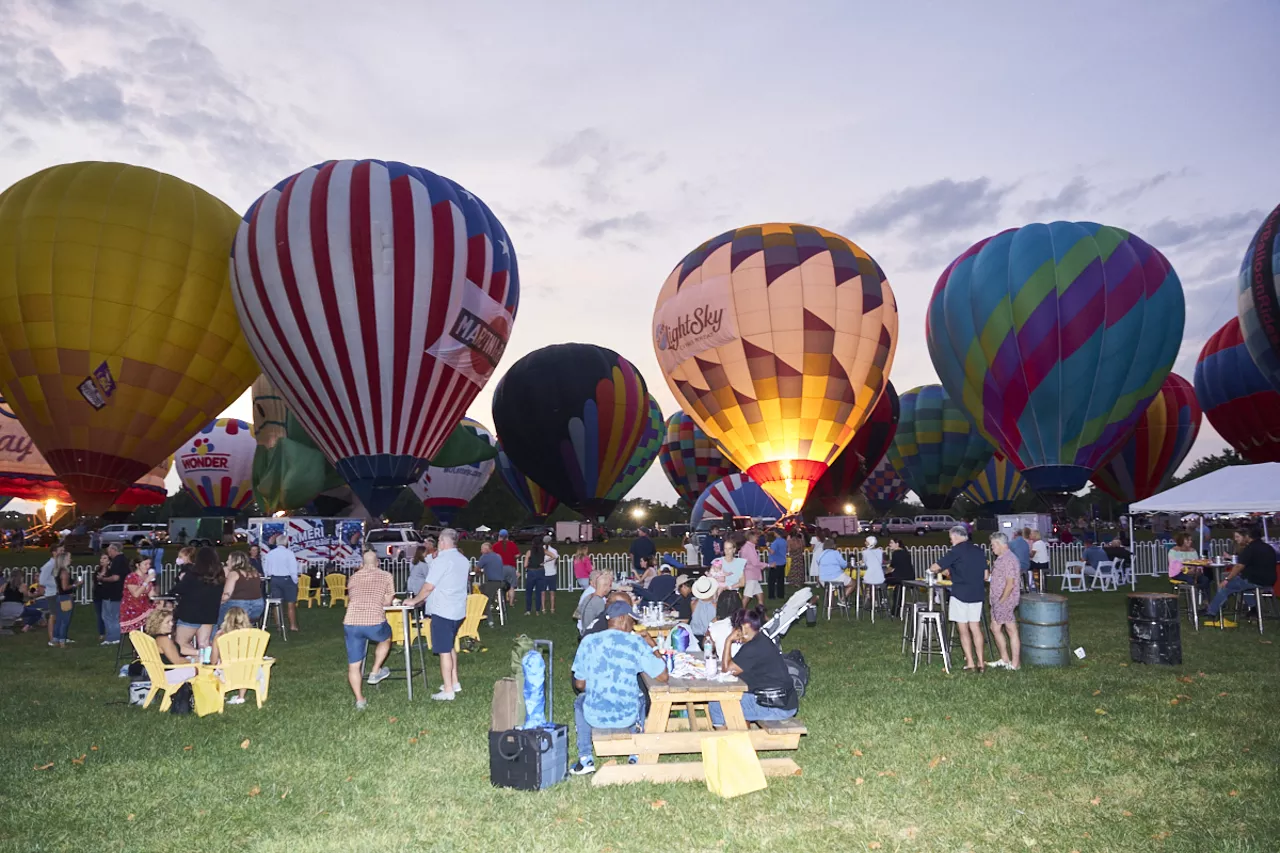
x=605, y=669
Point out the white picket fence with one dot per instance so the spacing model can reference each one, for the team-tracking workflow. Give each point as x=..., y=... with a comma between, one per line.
x=1150, y=559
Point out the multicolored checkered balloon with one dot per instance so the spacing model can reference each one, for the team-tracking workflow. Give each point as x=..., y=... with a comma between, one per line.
x=937, y=450
x=996, y=487
x=690, y=459
x=1055, y=338
x=1148, y=460
x=884, y=486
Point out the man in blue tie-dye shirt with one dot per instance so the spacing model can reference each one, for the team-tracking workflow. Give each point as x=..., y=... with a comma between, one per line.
x=605, y=670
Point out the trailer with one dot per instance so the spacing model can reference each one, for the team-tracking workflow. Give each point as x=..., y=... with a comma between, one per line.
x=1007, y=524
x=312, y=539
x=204, y=530
x=840, y=525
x=574, y=531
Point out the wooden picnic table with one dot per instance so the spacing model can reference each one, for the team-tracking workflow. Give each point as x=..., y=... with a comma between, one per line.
x=665, y=735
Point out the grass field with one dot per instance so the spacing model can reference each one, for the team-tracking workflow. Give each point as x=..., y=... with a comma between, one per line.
x=1102, y=756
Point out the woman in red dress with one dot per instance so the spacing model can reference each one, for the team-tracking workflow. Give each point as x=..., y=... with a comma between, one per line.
x=136, y=604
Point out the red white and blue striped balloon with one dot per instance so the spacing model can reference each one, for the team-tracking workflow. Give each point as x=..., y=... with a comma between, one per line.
x=378, y=297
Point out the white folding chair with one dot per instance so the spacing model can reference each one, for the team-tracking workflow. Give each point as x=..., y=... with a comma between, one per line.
x=1073, y=581
x=1104, y=576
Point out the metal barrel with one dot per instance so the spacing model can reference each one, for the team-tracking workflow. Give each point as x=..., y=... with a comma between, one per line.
x=1042, y=627
x=1155, y=635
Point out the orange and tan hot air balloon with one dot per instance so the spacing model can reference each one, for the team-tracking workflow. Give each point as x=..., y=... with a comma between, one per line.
x=777, y=339
x=118, y=334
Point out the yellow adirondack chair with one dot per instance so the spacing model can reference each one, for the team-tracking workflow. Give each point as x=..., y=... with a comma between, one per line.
x=149, y=654
x=337, y=583
x=306, y=592
x=396, y=621
x=476, y=605
x=243, y=662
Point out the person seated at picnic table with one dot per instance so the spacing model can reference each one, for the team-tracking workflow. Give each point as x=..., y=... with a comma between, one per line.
x=771, y=694
x=684, y=598
x=648, y=570
x=1093, y=554
x=601, y=622
x=160, y=627
x=599, y=585
x=13, y=605
x=1254, y=568
x=606, y=669
x=873, y=562
x=1182, y=552
x=704, y=607
x=659, y=589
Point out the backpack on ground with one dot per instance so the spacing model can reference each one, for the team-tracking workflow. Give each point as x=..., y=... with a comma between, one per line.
x=799, y=670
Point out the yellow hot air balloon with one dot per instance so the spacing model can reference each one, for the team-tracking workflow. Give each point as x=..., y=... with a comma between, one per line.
x=118, y=334
x=777, y=339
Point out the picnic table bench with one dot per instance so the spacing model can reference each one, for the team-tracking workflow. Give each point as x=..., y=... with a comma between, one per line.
x=667, y=735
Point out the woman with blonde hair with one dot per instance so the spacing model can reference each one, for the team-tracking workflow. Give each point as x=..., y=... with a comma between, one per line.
x=160, y=627
x=66, y=599
x=235, y=619
x=242, y=588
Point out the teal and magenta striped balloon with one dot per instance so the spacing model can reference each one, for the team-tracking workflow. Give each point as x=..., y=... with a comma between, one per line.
x=1055, y=338
x=646, y=451
x=936, y=449
x=996, y=486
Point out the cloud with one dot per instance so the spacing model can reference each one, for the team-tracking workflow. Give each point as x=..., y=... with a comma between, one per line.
x=1070, y=198
x=601, y=163
x=1134, y=191
x=1166, y=233
x=138, y=75
x=635, y=222
x=942, y=206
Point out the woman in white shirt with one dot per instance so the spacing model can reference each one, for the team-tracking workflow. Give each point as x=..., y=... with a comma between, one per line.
x=1039, y=558
x=549, y=557
x=873, y=562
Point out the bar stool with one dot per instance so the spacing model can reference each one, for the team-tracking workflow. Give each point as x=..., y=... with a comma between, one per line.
x=279, y=606
x=929, y=625
x=1192, y=594
x=870, y=589
x=836, y=597
x=909, y=627
x=1242, y=597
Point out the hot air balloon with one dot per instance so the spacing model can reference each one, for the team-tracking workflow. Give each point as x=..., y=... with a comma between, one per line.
x=690, y=459
x=936, y=450
x=570, y=416
x=884, y=487
x=1236, y=397
x=289, y=470
x=1259, y=301
x=447, y=490
x=118, y=337
x=378, y=298
x=1149, y=459
x=777, y=339
x=646, y=451
x=842, y=480
x=216, y=466
x=736, y=494
x=536, y=500
x=996, y=486
x=1055, y=338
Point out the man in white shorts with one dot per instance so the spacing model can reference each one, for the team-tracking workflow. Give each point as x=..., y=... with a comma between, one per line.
x=966, y=564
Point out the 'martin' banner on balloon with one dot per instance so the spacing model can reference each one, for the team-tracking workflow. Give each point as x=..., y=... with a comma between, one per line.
x=1055, y=338
x=777, y=340
x=378, y=297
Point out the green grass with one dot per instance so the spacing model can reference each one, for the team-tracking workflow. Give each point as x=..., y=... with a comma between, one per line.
x=1005, y=761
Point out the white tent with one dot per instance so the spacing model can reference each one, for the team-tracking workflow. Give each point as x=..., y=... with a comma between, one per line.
x=1236, y=488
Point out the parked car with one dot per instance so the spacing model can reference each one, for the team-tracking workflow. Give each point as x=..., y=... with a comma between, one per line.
x=927, y=523
x=896, y=524
x=529, y=533
x=394, y=543
x=127, y=534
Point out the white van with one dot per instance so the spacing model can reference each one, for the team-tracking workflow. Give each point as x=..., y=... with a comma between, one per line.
x=928, y=523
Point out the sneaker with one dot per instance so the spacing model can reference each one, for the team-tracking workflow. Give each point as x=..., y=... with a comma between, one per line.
x=235, y=700
x=379, y=676
x=457, y=688
x=633, y=759
x=361, y=704
x=64, y=642
x=526, y=613
x=1213, y=622
x=443, y=696
x=54, y=644
x=998, y=664
x=584, y=766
